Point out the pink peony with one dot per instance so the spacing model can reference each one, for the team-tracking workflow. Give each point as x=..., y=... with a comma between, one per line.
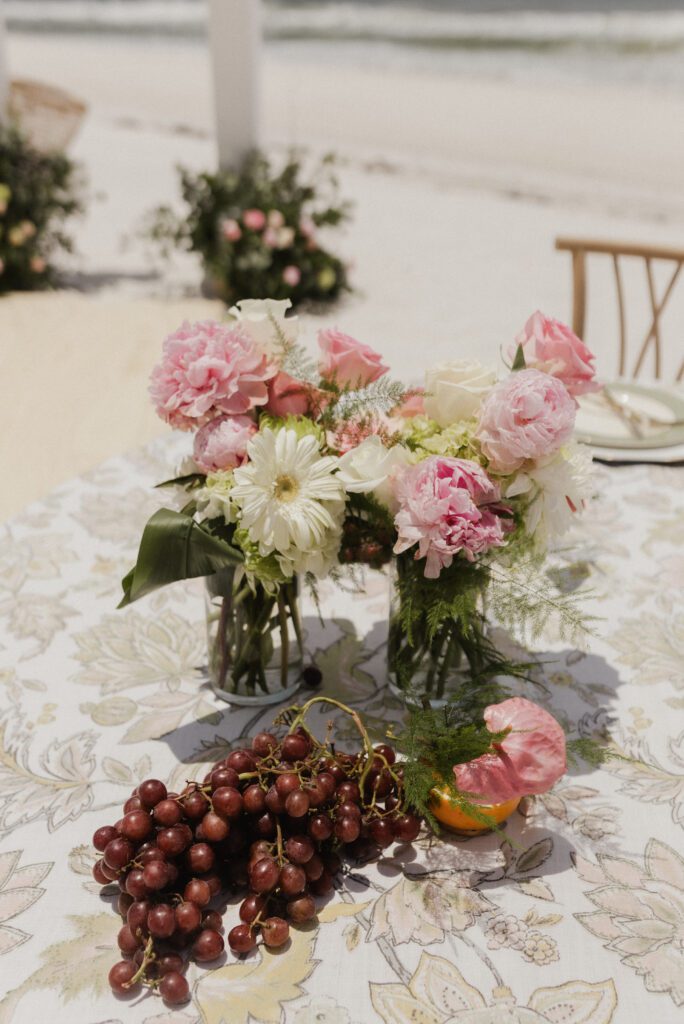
x=529, y=415
x=447, y=506
x=254, y=219
x=287, y=396
x=292, y=276
x=529, y=760
x=222, y=442
x=551, y=346
x=208, y=368
x=347, y=361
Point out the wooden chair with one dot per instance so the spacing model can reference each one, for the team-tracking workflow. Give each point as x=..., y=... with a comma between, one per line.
x=579, y=248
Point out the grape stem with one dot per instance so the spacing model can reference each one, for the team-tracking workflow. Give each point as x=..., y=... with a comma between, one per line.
x=356, y=719
x=148, y=955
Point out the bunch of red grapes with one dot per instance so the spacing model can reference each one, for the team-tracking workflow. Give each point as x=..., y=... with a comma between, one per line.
x=272, y=821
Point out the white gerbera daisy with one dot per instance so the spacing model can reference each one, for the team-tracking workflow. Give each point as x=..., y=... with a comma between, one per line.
x=290, y=499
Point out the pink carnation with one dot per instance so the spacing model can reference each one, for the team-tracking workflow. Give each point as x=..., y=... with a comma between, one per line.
x=348, y=362
x=208, y=368
x=222, y=442
x=529, y=415
x=551, y=346
x=254, y=219
x=447, y=506
x=529, y=760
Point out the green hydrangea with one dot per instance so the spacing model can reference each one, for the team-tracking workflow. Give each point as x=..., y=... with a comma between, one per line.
x=301, y=425
x=425, y=437
x=264, y=568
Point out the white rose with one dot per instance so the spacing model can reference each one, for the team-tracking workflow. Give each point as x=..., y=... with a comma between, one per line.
x=370, y=468
x=454, y=390
x=264, y=320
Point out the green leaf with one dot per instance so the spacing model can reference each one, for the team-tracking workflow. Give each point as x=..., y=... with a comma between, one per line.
x=519, y=361
x=175, y=547
x=190, y=480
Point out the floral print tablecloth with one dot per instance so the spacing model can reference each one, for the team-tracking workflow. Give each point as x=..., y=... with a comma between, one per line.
x=580, y=920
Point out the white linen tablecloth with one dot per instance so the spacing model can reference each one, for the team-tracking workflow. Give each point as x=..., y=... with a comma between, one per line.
x=582, y=920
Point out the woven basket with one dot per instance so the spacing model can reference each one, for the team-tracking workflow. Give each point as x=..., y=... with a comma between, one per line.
x=48, y=116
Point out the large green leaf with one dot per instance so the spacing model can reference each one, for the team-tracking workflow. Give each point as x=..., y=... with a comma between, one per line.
x=175, y=547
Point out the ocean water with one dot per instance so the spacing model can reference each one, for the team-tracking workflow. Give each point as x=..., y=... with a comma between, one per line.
x=637, y=41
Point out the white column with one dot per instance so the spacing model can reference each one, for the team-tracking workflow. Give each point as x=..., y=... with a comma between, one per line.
x=234, y=42
x=4, y=69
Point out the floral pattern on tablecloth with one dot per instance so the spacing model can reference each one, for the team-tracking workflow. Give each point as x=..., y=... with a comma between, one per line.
x=579, y=920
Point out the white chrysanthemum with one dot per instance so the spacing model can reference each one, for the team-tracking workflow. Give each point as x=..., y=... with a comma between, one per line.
x=556, y=490
x=215, y=498
x=290, y=500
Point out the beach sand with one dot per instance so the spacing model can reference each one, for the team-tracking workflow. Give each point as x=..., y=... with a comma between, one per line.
x=460, y=186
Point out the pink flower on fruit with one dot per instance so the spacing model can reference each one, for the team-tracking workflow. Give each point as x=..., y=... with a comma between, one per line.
x=231, y=230
x=348, y=362
x=448, y=506
x=530, y=415
x=551, y=346
x=529, y=760
x=254, y=219
x=222, y=442
x=287, y=396
x=208, y=368
x=292, y=276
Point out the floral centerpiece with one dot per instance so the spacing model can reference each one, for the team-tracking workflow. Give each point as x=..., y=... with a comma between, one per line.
x=300, y=467
x=38, y=192
x=260, y=232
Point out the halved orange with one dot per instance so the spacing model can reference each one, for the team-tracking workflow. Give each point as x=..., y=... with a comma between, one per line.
x=457, y=820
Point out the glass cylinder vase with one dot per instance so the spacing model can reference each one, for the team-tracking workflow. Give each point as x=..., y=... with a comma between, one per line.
x=425, y=664
x=255, y=642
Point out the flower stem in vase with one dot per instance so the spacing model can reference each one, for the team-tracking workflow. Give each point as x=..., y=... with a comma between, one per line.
x=284, y=639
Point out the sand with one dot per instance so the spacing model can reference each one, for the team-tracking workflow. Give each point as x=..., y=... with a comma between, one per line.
x=460, y=187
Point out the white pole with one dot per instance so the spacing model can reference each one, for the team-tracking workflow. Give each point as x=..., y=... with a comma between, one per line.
x=235, y=42
x=4, y=69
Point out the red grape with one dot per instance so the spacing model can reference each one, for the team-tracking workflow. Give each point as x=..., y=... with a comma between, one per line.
x=252, y=907
x=118, y=853
x=156, y=874
x=313, y=869
x=406, y=827
x=172, y=841
x=212, y=919
x=188, y=917
x=161, y=921
x=292, y=879
x=128, y=943
x=276, y=931
x=227, y=801
x=120, y=977
x=134, y=803
x=221, y=777
x=214, y=827
x=254, y=800
x=195, y=805
x=241, y=761
x=263, y=876
x=103, y=836
x=297, y=804
x=241, y=938
x=295, y=747
x=197, y=891
x=301, y=909
x=264, y=743
x=167, y=813
x=137, y=916
x=207, y=946
x=170, y=962
x=98, y=873
x=320, y=827
x=347, y=829
x=174, y=989
x=287, y=783
x=200, y=858
x=151, y=792
x=135, y=885
x=299, y=849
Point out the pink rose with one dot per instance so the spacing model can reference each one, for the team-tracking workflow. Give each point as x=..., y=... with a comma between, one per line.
x=447, y=506
x=231, y=230
x=208, y=368
x=292, y=276
x=348, y=362
x=550, y=346
x=529, y=760
x=529, y=415
x=413, y=405
x=253, y=219
x=287, y=396
x=222, y=442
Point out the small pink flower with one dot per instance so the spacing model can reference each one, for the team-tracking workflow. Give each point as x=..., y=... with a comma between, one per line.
x=529, y=415
x=254, y=219
x=551, y=346
x=348, y=362
x=307, y=227
x=292, y=276
x=413, y=405
x=38, y=265
x=352, y=433
x=275, y=219
x=270, y=238
x=529, y=760
x=208, y=368
x=231, y=230
x=447, y=506
x=287, y=396
x=222, y=442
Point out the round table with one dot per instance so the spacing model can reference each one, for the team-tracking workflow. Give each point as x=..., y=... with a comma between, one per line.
x=581, y=919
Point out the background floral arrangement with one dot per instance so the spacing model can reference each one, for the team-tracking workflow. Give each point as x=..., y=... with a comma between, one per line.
x=257, y=230
x=38, y=192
